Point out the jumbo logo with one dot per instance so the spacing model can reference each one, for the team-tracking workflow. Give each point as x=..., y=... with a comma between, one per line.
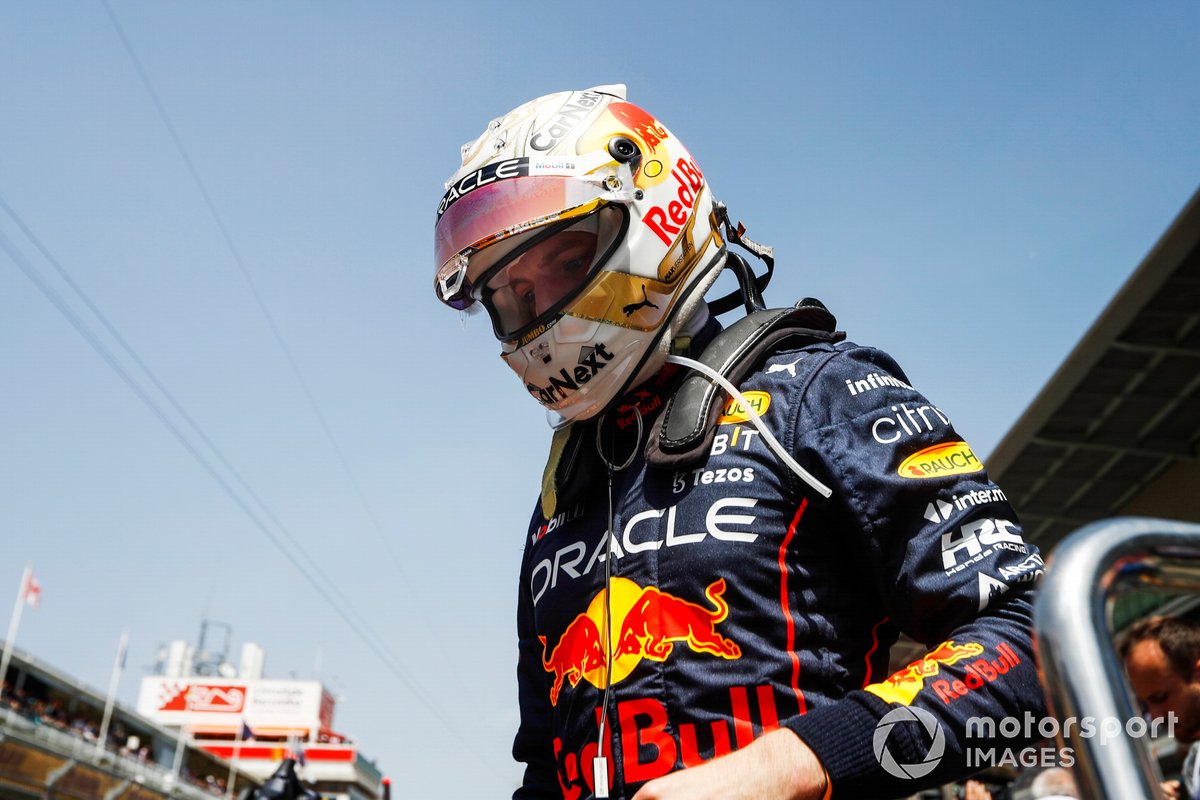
x=948, y=458
x=734, y=411
x=645, y=623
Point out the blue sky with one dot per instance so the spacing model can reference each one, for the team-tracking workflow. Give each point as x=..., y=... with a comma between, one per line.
x=963, y=184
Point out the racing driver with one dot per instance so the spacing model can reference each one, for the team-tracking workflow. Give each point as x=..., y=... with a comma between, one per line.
x=735, y=524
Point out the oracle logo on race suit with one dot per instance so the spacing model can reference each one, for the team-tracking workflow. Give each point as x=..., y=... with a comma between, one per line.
x=653, y=529
x=667, y=223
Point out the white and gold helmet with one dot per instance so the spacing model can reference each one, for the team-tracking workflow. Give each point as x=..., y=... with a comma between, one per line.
x=588, y=232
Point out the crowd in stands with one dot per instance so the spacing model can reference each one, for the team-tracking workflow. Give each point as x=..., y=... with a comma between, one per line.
x=85, y=723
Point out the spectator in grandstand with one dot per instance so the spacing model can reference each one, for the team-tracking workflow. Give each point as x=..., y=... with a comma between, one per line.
x=1055, y=783
x=1162, y=659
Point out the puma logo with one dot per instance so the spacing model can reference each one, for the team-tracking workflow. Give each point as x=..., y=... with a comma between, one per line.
x=632, y=307
x=788, y=368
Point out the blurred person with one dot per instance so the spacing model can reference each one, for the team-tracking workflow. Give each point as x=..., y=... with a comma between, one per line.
x=976, y=790
x=1162, y=659
x=782, y=503
x=1055, y=783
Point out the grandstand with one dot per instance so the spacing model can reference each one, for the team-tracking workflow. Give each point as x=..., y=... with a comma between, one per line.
x=49, y=748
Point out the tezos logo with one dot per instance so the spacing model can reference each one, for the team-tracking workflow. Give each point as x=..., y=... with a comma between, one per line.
x=565, y=382
x=928, y=722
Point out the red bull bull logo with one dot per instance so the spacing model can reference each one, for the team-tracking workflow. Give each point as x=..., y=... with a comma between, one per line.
x=902, y=686
x=646, y=623
x=645, y=126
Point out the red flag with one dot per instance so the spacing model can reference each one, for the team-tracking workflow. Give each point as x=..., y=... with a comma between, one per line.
x=32, y=593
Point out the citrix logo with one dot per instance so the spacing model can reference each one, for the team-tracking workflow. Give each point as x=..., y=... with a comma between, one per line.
x=562, y=384
x=912, y=421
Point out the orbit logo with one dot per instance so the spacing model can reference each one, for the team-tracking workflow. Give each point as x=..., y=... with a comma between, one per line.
x=645, y=623
x=909, y=715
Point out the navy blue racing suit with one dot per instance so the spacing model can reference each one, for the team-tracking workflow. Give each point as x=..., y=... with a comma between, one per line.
x=742, y=601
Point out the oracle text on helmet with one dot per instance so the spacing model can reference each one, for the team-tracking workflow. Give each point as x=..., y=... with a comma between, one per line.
x=508, y=168
x=667, y=223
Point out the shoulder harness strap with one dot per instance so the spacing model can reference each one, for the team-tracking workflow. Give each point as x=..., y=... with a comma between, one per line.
x=683, y=434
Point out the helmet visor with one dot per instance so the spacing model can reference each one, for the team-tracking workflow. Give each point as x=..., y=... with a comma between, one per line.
x=493, y=212
x=546, y=268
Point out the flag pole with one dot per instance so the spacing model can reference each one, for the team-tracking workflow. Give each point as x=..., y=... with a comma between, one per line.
x=118, y=665
x=237, y=751
x=14, y=622
x=181, y=739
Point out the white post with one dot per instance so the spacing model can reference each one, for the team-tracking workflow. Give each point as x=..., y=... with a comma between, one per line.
x=237, y=752
x=14, y=622
x=181, y=739
x=118, y=666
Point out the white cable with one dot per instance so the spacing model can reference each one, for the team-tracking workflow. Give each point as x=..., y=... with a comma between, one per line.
x=600, y=762
x=756, y=420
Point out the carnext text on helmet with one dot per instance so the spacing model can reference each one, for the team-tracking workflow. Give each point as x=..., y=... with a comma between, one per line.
x=589, y=365
x=667, y=224
x=564, y=121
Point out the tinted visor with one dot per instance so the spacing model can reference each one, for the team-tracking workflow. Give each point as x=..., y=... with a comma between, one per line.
x=543, y=269
x=477, y=220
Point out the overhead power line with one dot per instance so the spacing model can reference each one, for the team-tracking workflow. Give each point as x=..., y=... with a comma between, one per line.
x=397, y=566
x=236, y=254
x=292, y=548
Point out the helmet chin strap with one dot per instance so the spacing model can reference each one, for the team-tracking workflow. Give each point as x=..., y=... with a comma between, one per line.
x=750, y=286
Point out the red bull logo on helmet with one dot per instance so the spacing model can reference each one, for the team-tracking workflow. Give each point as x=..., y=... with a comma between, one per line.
x=668, y=222
x=646, y=623
x=902, y=686
x=645, y=126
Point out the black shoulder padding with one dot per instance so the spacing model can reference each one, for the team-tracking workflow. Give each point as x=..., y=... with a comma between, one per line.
x=683, y=433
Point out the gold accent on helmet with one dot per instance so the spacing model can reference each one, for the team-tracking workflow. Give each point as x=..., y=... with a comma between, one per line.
x=633, y=301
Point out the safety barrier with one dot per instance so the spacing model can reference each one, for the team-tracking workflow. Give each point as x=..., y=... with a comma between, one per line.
x=1080, y=669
